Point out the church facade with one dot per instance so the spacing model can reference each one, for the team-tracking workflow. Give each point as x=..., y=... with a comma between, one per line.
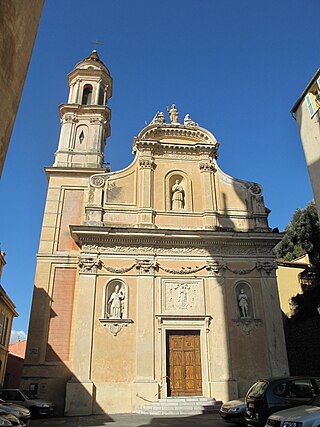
x=156, y=280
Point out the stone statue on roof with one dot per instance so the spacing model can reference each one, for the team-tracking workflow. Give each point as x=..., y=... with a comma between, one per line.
x=173, y=113
x=158, y=119
x=188, y=122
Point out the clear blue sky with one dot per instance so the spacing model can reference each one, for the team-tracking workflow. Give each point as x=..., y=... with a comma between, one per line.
x=237, y=66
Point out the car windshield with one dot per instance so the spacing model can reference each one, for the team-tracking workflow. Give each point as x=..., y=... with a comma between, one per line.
x=315, y=401
x=257, y=389
x=28, y=394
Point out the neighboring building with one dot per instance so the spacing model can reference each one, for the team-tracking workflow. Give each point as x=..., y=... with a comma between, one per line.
x=160, y=273
x=306, y=113
x=14, y=368
x=19, y=22
x=7, y=313
x=290, y=281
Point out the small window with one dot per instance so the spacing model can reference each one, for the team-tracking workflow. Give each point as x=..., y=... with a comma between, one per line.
x=310, y=105
x=87, y=95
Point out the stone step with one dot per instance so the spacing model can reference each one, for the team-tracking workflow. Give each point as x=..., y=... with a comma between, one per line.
x=181, y=406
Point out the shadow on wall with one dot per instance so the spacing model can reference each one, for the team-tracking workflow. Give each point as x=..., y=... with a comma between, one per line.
x=45, y=373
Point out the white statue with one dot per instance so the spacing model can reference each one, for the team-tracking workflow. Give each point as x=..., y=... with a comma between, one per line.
x=116, y=303
x=188, y=122
x=158, y=119
x=177, y=196
x=243, y=304
x=173, y=113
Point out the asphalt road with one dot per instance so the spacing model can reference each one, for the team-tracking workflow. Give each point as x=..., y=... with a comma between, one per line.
x=132, y=420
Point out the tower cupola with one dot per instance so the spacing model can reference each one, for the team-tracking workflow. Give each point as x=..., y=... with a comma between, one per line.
x=85, y=119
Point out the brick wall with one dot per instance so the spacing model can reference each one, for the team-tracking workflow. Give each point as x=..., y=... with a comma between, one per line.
x=61, y=314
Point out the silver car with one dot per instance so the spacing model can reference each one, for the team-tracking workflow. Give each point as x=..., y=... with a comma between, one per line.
x=300, y=416
x=20, y=412
x=233, y=411
x=38, y=407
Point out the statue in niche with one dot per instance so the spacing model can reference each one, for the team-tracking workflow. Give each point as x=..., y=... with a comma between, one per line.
x=243, y=303
x=173, y=113
x=116, y=301
x=177, y=196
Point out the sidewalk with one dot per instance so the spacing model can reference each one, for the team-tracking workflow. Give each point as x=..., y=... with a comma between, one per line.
x=131, y=420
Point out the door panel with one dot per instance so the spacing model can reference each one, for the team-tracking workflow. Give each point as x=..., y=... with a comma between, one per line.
x=184, y=363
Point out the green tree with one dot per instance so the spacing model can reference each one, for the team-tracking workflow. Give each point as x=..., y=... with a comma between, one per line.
x=302, y=236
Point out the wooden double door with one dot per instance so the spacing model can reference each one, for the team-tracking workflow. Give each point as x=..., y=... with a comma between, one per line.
x=184, y=363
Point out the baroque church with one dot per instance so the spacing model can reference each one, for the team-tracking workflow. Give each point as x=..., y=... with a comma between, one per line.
x=156, y=280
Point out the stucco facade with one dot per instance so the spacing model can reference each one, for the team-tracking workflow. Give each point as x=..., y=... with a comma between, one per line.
x=156, y=280
x=306, y=113
x=19, y=22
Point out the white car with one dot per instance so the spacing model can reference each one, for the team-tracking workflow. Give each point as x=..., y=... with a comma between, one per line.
x=299, y=416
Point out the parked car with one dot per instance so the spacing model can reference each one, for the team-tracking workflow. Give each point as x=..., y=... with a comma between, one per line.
x=300, y=416
x=9, y=420
x=38, y=407
x=234, y=411
x=20, y=412
x=275, y=394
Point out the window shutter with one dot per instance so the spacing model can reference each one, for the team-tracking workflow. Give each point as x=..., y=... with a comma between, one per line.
x=309, y=104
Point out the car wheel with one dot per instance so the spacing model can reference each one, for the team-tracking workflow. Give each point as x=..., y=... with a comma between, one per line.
x=34, y=412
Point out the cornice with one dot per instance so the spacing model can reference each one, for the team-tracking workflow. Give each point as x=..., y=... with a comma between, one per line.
x=58, y=170
x=198, y=242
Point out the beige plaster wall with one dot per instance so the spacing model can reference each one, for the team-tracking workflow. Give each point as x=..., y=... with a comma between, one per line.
x=19, y=20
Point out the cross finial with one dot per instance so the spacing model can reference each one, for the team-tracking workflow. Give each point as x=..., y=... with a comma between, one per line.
x=96, y=43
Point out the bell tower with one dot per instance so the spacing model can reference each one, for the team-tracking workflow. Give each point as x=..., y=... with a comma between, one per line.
x=85, y=119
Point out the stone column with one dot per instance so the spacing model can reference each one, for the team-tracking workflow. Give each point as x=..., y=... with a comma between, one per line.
x=207, y=169
x=146, y=213
x=145, y=384
x=222, y=385
x=79, y=390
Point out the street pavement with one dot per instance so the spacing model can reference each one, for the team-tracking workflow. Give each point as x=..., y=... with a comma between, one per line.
x=132, y=420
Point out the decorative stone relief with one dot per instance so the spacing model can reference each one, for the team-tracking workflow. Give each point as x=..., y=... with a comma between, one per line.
x=146, y=163
x=207, y=167
x=182, y=270
x=146, y=266
x=182, y=297
x=268, y=267
x=115, y=325
x=69, y=118
x=255, y=188
x=247, y=325
x=215, y=268
x=97, y=180
x=88, y=265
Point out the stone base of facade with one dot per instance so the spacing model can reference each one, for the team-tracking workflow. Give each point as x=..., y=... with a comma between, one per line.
x=224, y=390
x=79, y=398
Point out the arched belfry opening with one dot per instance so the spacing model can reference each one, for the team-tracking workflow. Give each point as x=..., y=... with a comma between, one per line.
x=87, y=95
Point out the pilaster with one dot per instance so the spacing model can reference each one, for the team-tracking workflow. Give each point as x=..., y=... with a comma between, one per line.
x=223, y=384
x=79, y=390
x=144, y=383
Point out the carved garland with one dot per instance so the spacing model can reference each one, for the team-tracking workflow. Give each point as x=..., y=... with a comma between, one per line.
x=149, y=267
